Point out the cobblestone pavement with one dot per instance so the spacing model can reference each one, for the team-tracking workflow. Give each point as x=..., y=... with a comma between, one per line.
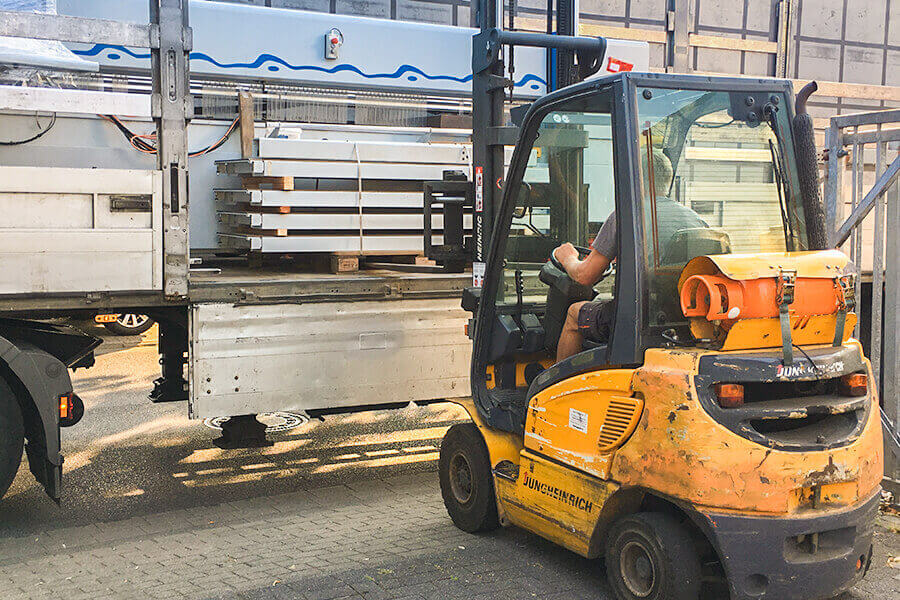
x=347, y=508
x=373, y=539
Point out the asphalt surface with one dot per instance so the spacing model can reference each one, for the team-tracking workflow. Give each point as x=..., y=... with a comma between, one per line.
x=129, y=456
x=344, y=508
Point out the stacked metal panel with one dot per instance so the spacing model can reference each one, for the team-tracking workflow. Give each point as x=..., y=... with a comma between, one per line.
x=357, y=197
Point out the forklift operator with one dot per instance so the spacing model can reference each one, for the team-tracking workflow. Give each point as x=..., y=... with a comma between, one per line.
x=592, y=319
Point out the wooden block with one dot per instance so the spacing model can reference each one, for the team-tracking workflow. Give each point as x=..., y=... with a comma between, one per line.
x=283, y=184
x=245, y=110
x=344, y=264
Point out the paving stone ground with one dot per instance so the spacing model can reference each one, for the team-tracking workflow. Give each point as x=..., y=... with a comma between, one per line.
x=346, y=508
x=368, y=539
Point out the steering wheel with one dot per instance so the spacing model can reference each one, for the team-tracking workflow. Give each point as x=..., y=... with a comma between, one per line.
x=582, y=251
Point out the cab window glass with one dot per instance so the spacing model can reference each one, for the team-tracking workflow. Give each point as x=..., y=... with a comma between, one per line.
x=567, y=192
x=713, y=181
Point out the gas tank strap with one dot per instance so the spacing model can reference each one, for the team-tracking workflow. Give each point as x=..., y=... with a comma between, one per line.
x=787, y=280
x=846, y=292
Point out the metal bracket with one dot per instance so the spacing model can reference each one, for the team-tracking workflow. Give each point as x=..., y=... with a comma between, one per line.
x=172, y=108
x=784, y=296
x=496, y=82
x=502, y=136
x=846, y=287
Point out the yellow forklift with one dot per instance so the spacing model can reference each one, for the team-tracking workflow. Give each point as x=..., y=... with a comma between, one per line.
x=721, y=435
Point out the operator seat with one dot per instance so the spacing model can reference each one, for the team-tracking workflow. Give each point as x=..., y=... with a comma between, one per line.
x=687, y=244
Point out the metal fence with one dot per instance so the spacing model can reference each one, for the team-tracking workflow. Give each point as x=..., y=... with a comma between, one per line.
x=868, y=227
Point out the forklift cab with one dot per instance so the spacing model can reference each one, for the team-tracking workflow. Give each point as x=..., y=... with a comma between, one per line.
x=629, y=147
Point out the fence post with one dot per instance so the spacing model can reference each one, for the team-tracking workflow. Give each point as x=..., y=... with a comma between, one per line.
x=890, y=360
x=833, y=177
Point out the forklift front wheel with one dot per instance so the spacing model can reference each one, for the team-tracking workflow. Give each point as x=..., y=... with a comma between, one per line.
x=466, y=482
x=650, y=556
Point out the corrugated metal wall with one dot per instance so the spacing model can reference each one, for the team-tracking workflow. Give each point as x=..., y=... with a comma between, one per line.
x=842, y=41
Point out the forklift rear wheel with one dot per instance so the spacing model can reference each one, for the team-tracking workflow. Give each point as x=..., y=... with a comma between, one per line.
x=466, y=482
x=650, y=556
x=12, y=437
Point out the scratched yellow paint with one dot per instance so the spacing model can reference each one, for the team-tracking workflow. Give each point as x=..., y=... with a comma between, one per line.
x=556, y=502
x=679, y=450
x=748, y=334
x=564, y=420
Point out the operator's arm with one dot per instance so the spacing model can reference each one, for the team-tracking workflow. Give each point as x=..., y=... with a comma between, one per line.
x=586, y=272
x=603, y=250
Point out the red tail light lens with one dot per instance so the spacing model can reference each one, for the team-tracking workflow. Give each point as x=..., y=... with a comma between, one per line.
x=65, y=406
x=855, y=384
x=730, y=395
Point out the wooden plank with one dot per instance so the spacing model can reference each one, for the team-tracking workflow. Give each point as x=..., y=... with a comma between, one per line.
x=622, y=33
x=597, y=29
x=343, y=264
x=245, y=111
x=853, y=90
x=269, y=183
x=728, y=43
x=832, y=88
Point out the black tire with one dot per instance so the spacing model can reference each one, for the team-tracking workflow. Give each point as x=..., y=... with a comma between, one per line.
x=130, y=324
x=12, y=437
x=650, y=556
x=466, y=481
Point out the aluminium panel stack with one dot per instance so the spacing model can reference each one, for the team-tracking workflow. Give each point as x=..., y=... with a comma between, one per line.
x=326, y=196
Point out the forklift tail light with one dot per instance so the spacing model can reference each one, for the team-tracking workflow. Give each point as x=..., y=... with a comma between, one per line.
x=855, y=384
x=730, y=395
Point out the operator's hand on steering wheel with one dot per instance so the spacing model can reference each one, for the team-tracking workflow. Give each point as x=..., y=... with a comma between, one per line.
x=565, y=253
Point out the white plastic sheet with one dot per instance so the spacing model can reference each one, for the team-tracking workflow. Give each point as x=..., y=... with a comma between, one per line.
x=38, y=53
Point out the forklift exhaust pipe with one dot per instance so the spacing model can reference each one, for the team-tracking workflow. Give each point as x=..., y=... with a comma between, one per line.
x=808, y=170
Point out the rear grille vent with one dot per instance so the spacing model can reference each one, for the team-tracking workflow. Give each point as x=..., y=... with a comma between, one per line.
x=621, y=418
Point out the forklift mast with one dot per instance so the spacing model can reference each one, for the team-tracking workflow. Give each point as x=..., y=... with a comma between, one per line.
x=571, y=59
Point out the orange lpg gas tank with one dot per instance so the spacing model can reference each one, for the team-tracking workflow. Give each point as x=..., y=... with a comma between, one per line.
x=718, y=298
x=736, y=298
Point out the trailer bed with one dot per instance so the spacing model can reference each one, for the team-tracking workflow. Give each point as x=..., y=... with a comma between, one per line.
x=240, y=283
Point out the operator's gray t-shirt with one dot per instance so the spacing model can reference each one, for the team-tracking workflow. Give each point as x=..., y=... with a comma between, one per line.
x=671, y=217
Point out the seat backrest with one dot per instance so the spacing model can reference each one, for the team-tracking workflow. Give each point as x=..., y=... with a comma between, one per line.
x=687, y=244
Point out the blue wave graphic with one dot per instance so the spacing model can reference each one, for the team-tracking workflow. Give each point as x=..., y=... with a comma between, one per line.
x=276, y=63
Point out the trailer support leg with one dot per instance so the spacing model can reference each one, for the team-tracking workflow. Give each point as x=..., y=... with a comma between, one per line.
x=171, y=387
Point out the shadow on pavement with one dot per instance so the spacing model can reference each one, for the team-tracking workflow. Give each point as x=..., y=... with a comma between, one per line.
x=169, y=463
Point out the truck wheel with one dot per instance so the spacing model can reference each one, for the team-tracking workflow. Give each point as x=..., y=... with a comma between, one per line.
x=130, y=324
x=466, y=481
x=650, y=556
x=12, y=437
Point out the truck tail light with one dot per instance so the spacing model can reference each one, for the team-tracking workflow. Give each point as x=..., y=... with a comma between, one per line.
x=66, y=406
x=730, y=395
x=854, y=384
